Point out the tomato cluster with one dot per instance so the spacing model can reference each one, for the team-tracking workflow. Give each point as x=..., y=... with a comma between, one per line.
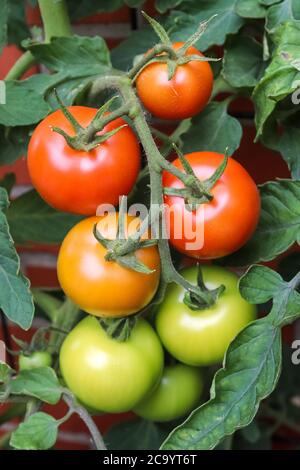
x=107, y=374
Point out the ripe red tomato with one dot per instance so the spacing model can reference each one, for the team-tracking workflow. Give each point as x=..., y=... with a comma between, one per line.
x=78, y=181
x=100, y=287
x=185, y=95
x=227, y=222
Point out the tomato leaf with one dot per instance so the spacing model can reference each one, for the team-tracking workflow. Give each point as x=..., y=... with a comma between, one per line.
x=83, y=8
x=192, y=13
x=32, y=220
x=137, y=434
x=281, y=12
x=79, y=56
x=13, y=143
x=122, y=56
x=5, y=372
x=213, y=130
x=40, y=383
x=281, y=78
x=243, y=64
x=260, y=284
x=278, y=227
x=38, y=432
x=250, y=373
x=163, y=5
x=250, y=9
x=15, y=297
x=23, y=105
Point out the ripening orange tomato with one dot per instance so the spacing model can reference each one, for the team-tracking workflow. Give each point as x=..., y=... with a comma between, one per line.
x=100, y=287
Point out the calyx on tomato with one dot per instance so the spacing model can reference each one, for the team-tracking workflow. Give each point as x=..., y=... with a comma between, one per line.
x=122, y=249
x=195, y=191
x=196, y=301
x=164, y=52
x=87, y=138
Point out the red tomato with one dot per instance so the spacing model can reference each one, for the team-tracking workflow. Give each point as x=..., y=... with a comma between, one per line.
x=78, y=181
x=227, y=222
x=184, y=95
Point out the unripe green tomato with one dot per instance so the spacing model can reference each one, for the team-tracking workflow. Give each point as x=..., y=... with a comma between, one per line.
x=109, y=375
x=35, y=360
x=201, y=337
x=177, y=394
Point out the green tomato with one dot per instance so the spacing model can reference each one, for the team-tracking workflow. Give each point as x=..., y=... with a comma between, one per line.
x=35, y=360
x=177, y=394
x=201, y=337
x=110, y=375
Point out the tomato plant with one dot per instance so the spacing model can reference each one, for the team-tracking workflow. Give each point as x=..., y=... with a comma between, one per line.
x=34, y=360
x=177, y=394
x=108, y=375
x=180, y=97
x=228, y=220
x=67, y=178
x=163, y=138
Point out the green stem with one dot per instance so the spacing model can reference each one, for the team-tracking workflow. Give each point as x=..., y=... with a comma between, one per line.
x=55, y=18
x=56, y=23
x=156, y=163
x=85, y=416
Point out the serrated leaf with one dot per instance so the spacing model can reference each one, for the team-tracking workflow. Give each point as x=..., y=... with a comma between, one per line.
x=3, y=23
x=281, y=12
x=24, y=106
x=33, y=220
x=184, y=23
x=38, y=432
x=250, y=9
x=137, y=434
x=213, y=130
x=243, y=64
x=281, y=78
x=250, y=373
x=15, y=297
x=260, y=284
x=40, y=383
x=79, y=56
x=278, y=227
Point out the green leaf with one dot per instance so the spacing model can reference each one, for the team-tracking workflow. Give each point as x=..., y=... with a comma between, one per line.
x=281, y=78
x=281, y=12
x=5, y=372
x=250, y=9
x=269, y=2
x=38, y=432
x=163, y=5
x=23, y=105
x=39, y=383
x=137, y=434
x=3, y=23
x=226, y=22
x=77, y=56
x=17, y=26
x=278, y=227
x=15, y=297
x=33, y=220
x=243, y=64
x=287, y=142
x=13, y=143
x=213, y=130
x=138, y=42
x=260, y=283
x=250, y=373
x=83, y=8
